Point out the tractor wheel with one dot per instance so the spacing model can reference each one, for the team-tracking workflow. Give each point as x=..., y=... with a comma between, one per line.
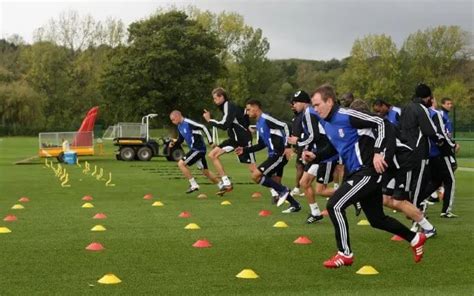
x=60, y=157
x=127, y=153
x=144, y=153
x=177, y=154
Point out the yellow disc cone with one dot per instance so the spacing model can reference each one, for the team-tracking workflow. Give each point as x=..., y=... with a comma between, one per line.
x=4, y=230
x=247, y=274
x=87, y=205
x=367, y=270
x=363, y=223
x=157, y=204
x=109, y=279
x=202, y=196
x=192, y=226
x=226, y=203
x=18, y=207
x=280, y=224
x=98, y=228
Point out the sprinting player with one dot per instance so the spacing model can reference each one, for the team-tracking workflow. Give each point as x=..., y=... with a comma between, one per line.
x=395, y=180
x=272, y=134
x=236, y=122
x=297, y=131
x=191, y=132
x=364, y=162
x=387, y=111
x=313, y=139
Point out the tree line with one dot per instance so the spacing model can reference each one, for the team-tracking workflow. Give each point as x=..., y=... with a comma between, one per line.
x=174, y=58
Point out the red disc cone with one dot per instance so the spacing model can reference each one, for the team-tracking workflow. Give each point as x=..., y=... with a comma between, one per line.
x=202, y=243
x=10, y=218
x=256, y=195
x=185, y=214
x=303, y=240
x=324, y=213
x=264, y=213
x=24, y=199
x=397, y=238
x=148, y=196
x=87, y=198
x=100, y=216
x=95, y=247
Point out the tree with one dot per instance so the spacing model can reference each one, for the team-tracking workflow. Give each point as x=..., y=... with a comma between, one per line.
x=171, y=62
x=373, y=69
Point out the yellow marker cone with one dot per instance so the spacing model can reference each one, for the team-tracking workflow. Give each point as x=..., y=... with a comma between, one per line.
x=202, y=195
x=98, y=228
x=157, y=204
x=4, y=230
x=363, y=223
x=18, y=207
x=108, y=183
x=247, y=274
x=192, y=226
x=109, y=279
x=367, y=270
x=225, y=203
x=280, y=224
x=87, y=205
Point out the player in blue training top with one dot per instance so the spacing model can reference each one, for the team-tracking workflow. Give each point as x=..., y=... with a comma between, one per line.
x=387, y=111
x=192, y=132
x=272, y=134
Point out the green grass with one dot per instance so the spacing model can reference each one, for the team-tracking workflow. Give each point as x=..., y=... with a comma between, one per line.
x=148, y=248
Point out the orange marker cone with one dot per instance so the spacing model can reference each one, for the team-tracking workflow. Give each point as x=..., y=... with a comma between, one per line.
x=148, y=196
x=10, y=218
x=99, y=216
x=202, y=243
x=185, y=214
x=397, y=238
x=95, y=247
x=24, y=199
x=87, y=198
x=264, y=213
x=303, y=240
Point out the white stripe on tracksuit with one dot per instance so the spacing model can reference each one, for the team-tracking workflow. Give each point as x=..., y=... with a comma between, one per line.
x=340, y=218
x=418, y=183
x=449, y=165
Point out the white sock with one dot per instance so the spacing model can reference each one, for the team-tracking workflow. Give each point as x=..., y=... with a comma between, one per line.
x=193, y=182
x=315, y=209
x=441, y=189
x=336, y=186
x=220, y=185
x=273, y=192
x=415, y=240
x=434, y=194
x=425, y=224
x=225, y=180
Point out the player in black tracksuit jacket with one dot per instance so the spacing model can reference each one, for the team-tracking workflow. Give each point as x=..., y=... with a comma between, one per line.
x=236, y=122
x=416, y=130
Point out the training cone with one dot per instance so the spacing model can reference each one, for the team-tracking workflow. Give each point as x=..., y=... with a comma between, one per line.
x=256, y=195
x=247, y=274
x=148, y=196
x=367, y=270
x=98, y=228
x=24, y=199
x=363, y=223
x=226, y=203
x=192, y=226
x=109, y=279
x=202, y=243
x=397, y=238
x=264, y=213
x=10, y=218
x=302, y=240
x=4, y=230
x=185, y=215
x=202, y=196
x=18, y=207
x=95, y=247
x=325, y=213
x=87, y=205
x=280, y=224
x=99, y=216
x=157, y=204
x=87, y=198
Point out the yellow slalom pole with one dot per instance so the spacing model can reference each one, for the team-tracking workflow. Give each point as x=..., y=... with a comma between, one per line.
x=100, y=174
x=95, y=170
x=64, y=183
x=108, y=183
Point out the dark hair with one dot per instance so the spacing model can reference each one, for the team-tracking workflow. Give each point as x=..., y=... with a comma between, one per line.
x=254, y=102
x=220, y=92
x=380, y=102
x=326, y=91
x=360, y=105
x=445, y=99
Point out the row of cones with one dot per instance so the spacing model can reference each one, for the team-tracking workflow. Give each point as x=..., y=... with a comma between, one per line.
x=250, y=274
x=12, y=218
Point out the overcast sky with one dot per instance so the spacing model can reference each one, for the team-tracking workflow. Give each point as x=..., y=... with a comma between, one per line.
x=295, y=29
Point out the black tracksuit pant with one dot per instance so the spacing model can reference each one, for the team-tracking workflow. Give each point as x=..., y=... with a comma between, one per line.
x=363, y=186
x=441, y=174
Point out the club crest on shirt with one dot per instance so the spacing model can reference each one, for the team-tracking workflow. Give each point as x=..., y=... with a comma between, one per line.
x=341, y=133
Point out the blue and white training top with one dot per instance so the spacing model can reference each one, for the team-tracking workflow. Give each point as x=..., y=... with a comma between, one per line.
x=272, y=133
x=191, y=132
x=393, y=115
